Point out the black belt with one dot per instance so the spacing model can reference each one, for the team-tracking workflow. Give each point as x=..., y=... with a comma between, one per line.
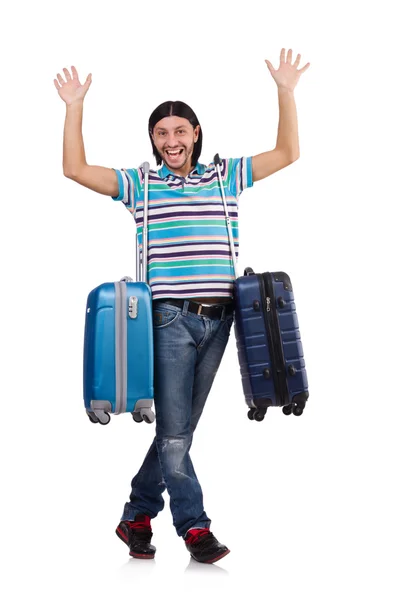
x=214, y=311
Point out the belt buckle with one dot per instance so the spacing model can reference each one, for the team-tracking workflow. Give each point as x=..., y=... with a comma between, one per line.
x=200, y=309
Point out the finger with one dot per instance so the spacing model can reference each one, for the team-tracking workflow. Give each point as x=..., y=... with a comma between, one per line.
x=289, y=56
x=270, y=66
x=282, y=55
x=74, y=73
x=67, y=75
x=297, y=61
x=88, y=81
x=305, y=68
x=57, y=84
x=61, y=81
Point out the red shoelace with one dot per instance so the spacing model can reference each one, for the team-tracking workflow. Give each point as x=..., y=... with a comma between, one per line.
x=193, y=535
x=141, y=522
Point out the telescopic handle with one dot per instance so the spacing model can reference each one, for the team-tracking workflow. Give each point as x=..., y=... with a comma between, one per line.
x=141, y=265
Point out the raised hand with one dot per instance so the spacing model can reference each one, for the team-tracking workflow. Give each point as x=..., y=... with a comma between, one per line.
x=71, y=90
x=288, y=74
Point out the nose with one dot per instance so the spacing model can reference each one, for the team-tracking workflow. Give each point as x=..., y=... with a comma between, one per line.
x=172, y=142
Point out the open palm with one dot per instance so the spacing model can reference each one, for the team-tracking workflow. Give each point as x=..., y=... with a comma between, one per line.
x=71, y=90
x=288, y=74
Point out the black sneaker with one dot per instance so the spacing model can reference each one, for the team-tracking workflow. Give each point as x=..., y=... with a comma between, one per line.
x=203, y=546
x=137, y=535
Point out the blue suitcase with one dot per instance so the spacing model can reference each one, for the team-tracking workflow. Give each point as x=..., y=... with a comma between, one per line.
x=269, y=344
x=118, y=342
x=118, y=352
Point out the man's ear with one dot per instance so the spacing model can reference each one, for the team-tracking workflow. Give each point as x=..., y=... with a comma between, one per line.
x=196, y=133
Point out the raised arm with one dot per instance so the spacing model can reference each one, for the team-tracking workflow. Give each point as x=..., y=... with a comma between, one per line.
x=287, y=144
x=99, y=179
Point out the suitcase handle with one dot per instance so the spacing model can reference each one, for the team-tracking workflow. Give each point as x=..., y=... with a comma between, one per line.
x=248, y=271
x=142, y=258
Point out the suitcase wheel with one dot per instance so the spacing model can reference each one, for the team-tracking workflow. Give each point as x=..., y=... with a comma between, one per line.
x=297, y=409
x=257, y=414
x=101, y=417
x=92, y=417
x=145, y=414
x=104, y=418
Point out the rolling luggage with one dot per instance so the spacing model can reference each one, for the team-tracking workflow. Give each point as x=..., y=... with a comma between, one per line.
x=269, y=344
x=268, y=340
x=118, y=344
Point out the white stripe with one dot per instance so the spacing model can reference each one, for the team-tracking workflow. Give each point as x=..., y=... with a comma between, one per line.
x=195, y=208
x=174, y=258
x=191, y=248
x=158, y=287
x=127, y=178
x=244, y=174
x=204, y=265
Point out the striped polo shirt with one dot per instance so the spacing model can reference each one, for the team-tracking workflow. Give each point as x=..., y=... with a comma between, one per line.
x=189, y=253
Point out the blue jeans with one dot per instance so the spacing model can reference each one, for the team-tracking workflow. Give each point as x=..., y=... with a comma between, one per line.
x=188, y=349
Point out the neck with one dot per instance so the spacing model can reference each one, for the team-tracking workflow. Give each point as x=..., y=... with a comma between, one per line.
x=182, y=172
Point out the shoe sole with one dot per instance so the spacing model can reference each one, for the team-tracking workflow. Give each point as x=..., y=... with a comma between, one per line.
x=122, y=537
x=144, y=556
x=212, y=560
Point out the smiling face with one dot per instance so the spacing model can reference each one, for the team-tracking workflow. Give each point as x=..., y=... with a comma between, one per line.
x=174, y=138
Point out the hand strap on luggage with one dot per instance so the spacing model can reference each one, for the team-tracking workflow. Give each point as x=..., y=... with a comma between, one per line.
x=217, y=162
x=142, y=258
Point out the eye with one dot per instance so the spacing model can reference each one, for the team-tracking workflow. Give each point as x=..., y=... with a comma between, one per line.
x=181, y=131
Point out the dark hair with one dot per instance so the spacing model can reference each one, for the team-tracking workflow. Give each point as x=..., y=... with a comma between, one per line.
x=178, y=109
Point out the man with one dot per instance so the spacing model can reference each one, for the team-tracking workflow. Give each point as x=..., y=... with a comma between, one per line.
x=190, y=272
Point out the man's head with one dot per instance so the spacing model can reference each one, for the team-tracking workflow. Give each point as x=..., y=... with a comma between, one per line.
x=176, y=136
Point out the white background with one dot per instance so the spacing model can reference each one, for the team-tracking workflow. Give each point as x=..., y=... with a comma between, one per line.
x=306, y=505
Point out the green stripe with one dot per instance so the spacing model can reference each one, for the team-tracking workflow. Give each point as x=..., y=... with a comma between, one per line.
x=190, y=224
x=192, y=263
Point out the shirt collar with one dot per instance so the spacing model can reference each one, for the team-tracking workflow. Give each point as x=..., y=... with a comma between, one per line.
x=164, y=171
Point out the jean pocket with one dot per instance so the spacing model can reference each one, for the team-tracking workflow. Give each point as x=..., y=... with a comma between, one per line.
x=164, y=317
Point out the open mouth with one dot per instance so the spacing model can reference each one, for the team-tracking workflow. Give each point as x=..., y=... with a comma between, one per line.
x=174, y=153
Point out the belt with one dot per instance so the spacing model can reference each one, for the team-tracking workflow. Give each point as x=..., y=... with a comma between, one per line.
x=214, y=311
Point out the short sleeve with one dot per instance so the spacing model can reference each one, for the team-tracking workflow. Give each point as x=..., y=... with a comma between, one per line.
x=237, y=174
x=127, y=180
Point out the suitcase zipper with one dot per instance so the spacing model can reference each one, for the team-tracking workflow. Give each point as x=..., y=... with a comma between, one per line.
x=273, y=331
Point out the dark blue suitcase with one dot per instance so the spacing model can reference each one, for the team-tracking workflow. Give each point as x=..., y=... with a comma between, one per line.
x=118, y=351
x=269, y=344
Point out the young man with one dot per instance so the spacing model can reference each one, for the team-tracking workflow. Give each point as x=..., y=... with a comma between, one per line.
x=190, y=272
